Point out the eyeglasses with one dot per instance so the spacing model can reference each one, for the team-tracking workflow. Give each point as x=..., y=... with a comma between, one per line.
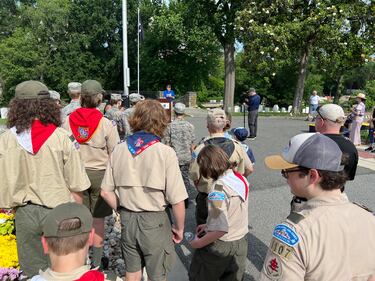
x=285, y=173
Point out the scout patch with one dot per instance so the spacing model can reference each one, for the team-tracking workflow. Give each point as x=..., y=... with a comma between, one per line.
x=217, y=196
x=83, y=132
x=280, y=249
x=273, y=267
x=286, y=235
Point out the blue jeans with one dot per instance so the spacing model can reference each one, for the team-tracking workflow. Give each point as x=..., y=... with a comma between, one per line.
x=371, y=135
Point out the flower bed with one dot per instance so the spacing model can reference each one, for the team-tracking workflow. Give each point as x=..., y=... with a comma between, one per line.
x=9, y=266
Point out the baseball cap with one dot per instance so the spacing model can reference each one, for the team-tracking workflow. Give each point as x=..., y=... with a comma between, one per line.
x=179, y=108
x=136, y=97
x=310, y=150
x=64, y=212
x=54, y=95
x=116, y=97
x=91, y=88
x=240, y=133
x=332, y=112
x=74, y=87
x=31, y=90
x=217, y=117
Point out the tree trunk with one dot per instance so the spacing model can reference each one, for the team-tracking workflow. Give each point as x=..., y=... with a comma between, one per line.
x=302, y=72
x=229, y=76
x=337, y=92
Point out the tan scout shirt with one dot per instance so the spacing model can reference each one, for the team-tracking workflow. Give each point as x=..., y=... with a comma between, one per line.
x=95, y=152
x=146, y=182
x=239, y=156
x=231, y=217
x=336, y=242
x=46, y=178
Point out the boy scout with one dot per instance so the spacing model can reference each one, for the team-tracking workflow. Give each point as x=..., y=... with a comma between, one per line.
x=67, y=236
x=216, y=122
x=330, y=238
x=40, y=168
x=133, y=99
x=180, y=136
x=145, y=175
x=222, y=249
x=97, y=136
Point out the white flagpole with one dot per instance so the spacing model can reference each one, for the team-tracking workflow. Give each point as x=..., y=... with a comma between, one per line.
x=125, y=48
x=138, y=48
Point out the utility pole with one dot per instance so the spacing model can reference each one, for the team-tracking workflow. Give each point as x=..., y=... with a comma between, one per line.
x=125, y=48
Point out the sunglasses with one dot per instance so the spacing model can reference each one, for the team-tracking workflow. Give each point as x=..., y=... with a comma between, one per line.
x=285, y=173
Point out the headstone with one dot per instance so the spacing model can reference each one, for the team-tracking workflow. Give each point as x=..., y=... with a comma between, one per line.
x=261, y=109
x=275, y=108
x=306, y=109
x=290, y=108
x=283, y=109
x=267, y=109
x=4, y=112
x=237, y=108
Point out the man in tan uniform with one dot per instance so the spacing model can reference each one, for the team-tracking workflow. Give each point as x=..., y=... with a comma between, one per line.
x=40, y=168
x=330, y=238
x=216, y=121
x=97, y=136
x=145, y=175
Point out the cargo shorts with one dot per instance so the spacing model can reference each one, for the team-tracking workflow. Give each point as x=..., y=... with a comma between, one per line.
x=221, y=260
x=146, y=241
x=91, y=197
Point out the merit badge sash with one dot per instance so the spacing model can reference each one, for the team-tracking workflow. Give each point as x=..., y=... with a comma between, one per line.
x=84, y=122
x=32, y=140
x=140, y=141
x=237, y=183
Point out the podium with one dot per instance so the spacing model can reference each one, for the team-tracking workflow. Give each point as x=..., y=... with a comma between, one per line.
x=167, y=105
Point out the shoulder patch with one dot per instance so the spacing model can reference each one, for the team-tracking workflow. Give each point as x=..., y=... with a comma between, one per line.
x=273, y=267
x=295, y=217
x=216, y=198
x=286, y=235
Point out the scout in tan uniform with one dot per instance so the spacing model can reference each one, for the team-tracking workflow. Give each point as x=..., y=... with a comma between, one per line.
x=97, y=136
x=145, y=175
x=40, y=168
x=330, y=238
x=222, y=249
x=67, y=236
x=216, y=121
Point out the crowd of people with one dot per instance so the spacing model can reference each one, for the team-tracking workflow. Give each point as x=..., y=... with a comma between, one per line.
x=66, y=169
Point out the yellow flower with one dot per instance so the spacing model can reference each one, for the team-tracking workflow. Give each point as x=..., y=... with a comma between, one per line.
x=8, y=251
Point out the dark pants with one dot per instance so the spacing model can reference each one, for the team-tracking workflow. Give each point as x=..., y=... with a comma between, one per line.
x=201, y=210
x=29, y=222
x=224, y=261
x=371, y=135
x=253, y=122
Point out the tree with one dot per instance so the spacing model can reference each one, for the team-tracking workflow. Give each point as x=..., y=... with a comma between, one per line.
x=273, y=31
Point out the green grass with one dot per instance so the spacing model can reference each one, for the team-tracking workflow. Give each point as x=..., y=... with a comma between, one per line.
x=3, y=121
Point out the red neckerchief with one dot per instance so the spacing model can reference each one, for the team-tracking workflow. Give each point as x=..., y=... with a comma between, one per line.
x=84, y=122
x=92, y=275
x=40, y=133
x=238, y=175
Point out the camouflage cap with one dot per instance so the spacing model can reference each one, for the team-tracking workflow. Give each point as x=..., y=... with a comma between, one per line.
x=31, y=90
x=91, y=88
x=136, y=97
x=217, y=118
x=54, y=95
x=67, y=211
x=74, y=87
x=179, y=108
x=116, y=97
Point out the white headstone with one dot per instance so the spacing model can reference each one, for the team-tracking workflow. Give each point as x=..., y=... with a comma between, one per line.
x=261, y=109
x=275, y=108
x=237, y=108
x=283, y=109
x=290, y=108
x=4, y=112
x=267, y=109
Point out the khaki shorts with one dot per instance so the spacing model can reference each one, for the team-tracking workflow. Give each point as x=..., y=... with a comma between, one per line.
x=146, y=240
x=220, y=260
x=91, y=197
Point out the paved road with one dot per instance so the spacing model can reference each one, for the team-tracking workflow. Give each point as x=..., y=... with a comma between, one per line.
x=269, y=195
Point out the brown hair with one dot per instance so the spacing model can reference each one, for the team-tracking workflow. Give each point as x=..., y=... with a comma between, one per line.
x=67, y=245
x=74, y=95
x=149, y=116
x=91, y=101
x=213, y=162
x=332, y=180
x=23, y=112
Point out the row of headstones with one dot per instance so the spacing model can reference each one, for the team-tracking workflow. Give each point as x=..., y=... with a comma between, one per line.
x=275, y=108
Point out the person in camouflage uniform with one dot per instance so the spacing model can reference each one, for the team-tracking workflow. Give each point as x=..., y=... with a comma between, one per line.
x=114, y=113
x=74, y=91
x=180, y=136
x=123, y=118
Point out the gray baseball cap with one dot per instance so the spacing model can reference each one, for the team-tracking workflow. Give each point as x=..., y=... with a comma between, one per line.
x=179, y=108
x=74, y=87
x=310, y=150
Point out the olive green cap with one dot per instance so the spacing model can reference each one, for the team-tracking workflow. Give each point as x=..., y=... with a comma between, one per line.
x=91, y=88
x=31, y=90
x=64, y=212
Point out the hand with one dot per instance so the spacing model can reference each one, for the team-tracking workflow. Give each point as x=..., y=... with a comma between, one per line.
x=177, y=235
x=200, y=228
x=196, y=243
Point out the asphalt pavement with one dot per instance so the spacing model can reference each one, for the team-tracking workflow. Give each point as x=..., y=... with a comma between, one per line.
x=269, y=197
